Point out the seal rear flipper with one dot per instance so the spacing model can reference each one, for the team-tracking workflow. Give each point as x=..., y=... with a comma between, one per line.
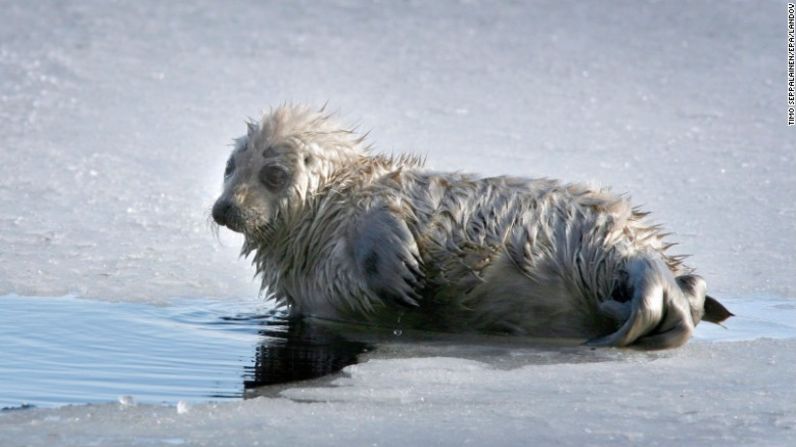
x=659, y=315
x=671, y=338
x=703, y=306
x=715, y=312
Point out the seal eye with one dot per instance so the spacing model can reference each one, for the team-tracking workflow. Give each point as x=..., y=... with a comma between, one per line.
x=274, y=177
x=230, y=167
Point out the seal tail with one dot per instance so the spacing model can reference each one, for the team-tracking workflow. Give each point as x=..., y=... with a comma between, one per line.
x=662, y=310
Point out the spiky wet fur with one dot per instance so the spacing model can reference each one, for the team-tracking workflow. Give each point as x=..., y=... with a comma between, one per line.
x=372, y=238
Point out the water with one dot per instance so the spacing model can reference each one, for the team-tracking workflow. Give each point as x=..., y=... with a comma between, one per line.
x=759, y=317
x=57, y=351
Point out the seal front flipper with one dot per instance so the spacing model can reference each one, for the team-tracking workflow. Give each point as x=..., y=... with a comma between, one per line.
x=387, y=256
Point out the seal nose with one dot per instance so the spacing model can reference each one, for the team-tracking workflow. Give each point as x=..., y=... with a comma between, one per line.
x=221, y=211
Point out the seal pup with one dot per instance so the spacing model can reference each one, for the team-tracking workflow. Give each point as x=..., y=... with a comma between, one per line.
x=338, y=232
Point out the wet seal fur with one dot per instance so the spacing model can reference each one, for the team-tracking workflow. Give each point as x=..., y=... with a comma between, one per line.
x=338, y=232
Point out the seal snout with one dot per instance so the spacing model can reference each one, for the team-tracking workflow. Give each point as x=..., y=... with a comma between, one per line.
x=225, y=213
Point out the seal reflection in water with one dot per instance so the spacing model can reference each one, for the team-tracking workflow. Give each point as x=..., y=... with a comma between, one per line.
x=338, y=232
x=295, y=349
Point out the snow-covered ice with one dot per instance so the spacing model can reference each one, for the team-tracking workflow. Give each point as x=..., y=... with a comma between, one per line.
x=115, y=120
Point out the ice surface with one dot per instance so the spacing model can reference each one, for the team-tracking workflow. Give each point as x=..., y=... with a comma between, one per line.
x=114, y=125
